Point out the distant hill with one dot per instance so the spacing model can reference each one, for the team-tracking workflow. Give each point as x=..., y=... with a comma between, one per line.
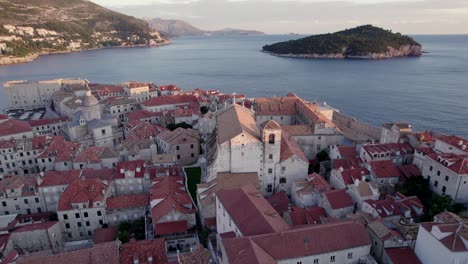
x=179, y=28
x=43, y=26
x=366, y=42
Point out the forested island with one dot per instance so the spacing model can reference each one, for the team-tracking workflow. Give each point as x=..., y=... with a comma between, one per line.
x=365, y=42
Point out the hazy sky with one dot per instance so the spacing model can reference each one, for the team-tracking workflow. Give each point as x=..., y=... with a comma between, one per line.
x=306, y=16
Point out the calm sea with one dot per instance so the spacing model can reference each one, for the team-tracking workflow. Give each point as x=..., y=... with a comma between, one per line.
x=431, y=91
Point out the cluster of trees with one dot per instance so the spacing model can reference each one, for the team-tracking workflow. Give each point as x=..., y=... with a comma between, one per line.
x=132, y=229
x=433, y=203
x=357, y=41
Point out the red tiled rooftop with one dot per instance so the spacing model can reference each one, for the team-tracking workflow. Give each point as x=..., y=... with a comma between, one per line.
x=290, y=148
x=103, y=235
x=99, y=254
x=297, y=243
x=82, y=191
x=251, y=213
x=455, y=142
x=339, y=199
x=456, y=163
x=170, y=100
x=13, y=126
x=173, y=227
x=143, y=250
x=127, y=201
x=55, y=178
x=136, y=166
x=279, y=201
x=402, y=256
x=35, y=226
x=348, y=151
x=384, y=169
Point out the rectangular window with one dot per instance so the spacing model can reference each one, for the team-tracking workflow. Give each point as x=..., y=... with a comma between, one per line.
x=430, y=168
x=350, y=255
x=99, y=213
x=103, y=131
x=85, y=214
x=4, y=203
x=316, y=261
x=446, y=178
x=26, y=201
x=436, y=183
x=36, y=200
x=269, y=188
x=191, y=146
x=177, y=148
x=78, y=224
x=17, y=207
x=270, y=156
x=192, y=155
x=65, y=217
x=178, y=157
x=438, y=173
x=67, y=225
x=332, y=259
x=282, y=180
x=87, y=223
x=77, y=215
x=101, y=222
x=270, y=170
x=444, y=189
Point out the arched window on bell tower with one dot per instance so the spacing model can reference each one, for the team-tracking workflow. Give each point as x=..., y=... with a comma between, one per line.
x=271, y=139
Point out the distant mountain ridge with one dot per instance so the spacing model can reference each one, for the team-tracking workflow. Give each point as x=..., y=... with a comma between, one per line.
x=179, y=28
x=365, y=42
x=32, y=27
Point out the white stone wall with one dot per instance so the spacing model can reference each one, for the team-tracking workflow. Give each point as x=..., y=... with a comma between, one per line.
x=340, y=256
x=224, y=222
x=38, y=240
x=88, y=218
x=115, y=217
x=430, y=251
x=30, y=95
x=291, y=169
x=456, y=186
x=281, y=119
x=447, y=148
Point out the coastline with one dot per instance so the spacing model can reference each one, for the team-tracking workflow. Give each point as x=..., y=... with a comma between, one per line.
x=6, y=61
x=372, y=56
x=401, y=52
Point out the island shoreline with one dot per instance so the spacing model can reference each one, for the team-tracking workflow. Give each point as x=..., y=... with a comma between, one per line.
x=8, y=61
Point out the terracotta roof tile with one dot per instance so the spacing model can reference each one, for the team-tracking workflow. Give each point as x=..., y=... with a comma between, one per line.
x=103, y=235
x=384, y=169
x=127, y=201
x=174, y=227
x=290, y=148
x=106, y=253
x=82, y=191
x=402, y=256
x=13, y=126
x=143, y=251
x=234, y=120
x=170, y=100
x=251, y=212
x=339, y=199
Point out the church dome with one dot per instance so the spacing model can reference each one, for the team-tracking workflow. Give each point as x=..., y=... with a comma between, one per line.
x=89, y=100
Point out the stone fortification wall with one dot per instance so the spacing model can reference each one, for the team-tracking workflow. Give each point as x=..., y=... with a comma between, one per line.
x=355, y=129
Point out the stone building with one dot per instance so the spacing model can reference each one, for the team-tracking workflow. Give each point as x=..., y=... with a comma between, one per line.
x=20, y=195
x=82, y=209
x=239, y=145
x=30, y=95
x=126, y=208
x=183, y=143
x=38, y=237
